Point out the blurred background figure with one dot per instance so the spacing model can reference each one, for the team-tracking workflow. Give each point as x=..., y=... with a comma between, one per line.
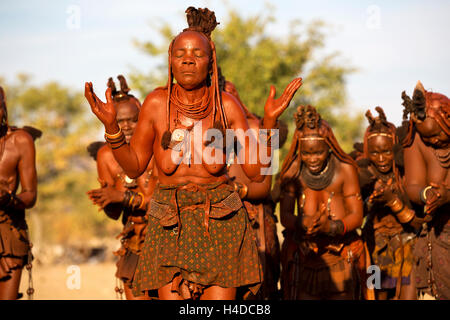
x=121, y=195
x=17, y=167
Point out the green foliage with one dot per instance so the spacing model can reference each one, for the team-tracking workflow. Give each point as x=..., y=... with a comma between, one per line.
x=253, y=59
x=65, y=170
x=249, y=56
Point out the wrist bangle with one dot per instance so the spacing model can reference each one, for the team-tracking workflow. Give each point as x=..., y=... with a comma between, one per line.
x=405, y=215
x=116, y=143
x=396, y=205
x=423, y=193
x=117, y=146
x=115, y=135
x=141, y=205
x=116, y=140
x=130, y=203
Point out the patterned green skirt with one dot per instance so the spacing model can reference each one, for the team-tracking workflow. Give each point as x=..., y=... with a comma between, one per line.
x=201, y=233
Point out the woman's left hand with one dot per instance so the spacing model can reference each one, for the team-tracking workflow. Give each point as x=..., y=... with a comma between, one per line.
x=437, y=196
x=275, y=107
x=105, y=195
x=384, y=192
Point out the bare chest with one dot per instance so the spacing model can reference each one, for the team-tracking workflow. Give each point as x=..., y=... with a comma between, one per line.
x=189, y=148
x=9, y=160
x=437, y=170
x=331, y=197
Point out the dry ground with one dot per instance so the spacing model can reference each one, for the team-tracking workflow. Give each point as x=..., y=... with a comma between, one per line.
x=97, y=282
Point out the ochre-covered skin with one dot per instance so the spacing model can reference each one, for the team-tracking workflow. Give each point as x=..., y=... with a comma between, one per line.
x=114, y=183
x=315, y=148
x=427, y=181
x=389, y=241
x=191, y=60
x=17, y=166
x=261, y=208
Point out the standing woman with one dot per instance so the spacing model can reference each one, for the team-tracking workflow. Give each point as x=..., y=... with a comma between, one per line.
x=199, y=242
x=427, y=183
x=322, y=252
x=17, y=166
x=256, y=197
x=121, y=195
x=391, y=222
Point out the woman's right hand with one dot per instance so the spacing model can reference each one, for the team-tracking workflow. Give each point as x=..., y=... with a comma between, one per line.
x=105, y=195
x=320, y=221
x=384, y=192
x=105, y=112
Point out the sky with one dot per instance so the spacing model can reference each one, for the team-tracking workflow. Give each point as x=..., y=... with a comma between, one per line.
x=392, y=44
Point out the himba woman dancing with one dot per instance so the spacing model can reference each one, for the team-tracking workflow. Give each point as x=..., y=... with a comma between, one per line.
x=391, y=222
x=17, y=167
x=120, y=194
x=427, y=183
x=322, y=255
x=199, y=242
x=257, y=199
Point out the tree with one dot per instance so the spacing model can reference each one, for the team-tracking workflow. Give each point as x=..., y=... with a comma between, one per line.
x=253, y=60
x=65, y=170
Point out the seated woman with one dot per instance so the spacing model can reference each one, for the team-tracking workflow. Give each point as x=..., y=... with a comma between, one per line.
x=199, y=243
x=387, y=231
x=321, y=250
x=119, y=193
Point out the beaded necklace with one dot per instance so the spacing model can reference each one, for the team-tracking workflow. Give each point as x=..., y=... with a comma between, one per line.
x=323, y=179
x=443, y=156
x=198, y=109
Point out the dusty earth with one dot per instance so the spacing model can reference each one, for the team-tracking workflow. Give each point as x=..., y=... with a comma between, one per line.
x=61, y=282
x=82, y=281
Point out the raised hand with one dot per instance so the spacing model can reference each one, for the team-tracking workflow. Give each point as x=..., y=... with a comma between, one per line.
x=275, y=107
x=105, y=112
